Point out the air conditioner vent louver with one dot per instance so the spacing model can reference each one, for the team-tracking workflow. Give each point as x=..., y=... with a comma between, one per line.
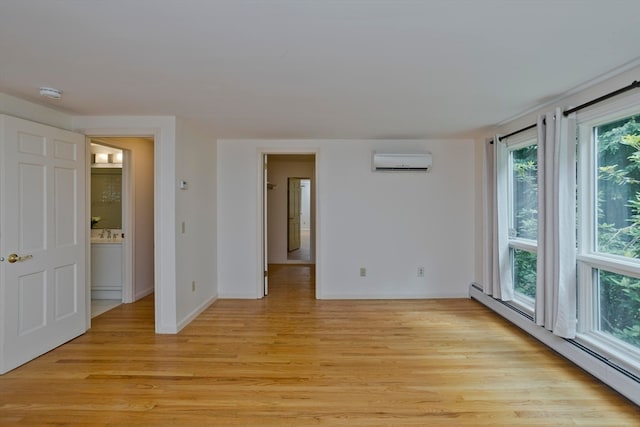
x=416, y=162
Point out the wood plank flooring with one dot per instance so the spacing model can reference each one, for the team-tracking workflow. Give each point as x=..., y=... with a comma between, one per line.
x=289, y=360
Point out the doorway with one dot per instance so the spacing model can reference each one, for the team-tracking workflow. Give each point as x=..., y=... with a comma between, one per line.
x=289, y=208
x=299, y=219
x=107, y=205
x=122, y=253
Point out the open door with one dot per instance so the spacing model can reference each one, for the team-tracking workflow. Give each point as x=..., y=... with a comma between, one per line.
x=42, y=239
x=265, y=241
x=294, y=207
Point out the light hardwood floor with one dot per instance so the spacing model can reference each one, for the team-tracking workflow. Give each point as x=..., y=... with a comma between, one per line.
x=289, y=360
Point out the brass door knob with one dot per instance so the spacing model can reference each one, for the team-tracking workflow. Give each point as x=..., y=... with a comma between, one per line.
x=15, y=258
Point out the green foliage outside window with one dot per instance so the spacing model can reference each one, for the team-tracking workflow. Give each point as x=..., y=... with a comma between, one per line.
x=524, y=273
x=619, y=306
x=524, y=163
x=618, y=231
x=525, y=192
x=618, y=223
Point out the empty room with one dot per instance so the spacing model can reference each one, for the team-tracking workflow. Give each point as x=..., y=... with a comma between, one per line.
x=310, y=212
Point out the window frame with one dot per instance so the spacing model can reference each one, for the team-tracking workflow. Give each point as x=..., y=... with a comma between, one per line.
x=514, y=143
x=589, y=259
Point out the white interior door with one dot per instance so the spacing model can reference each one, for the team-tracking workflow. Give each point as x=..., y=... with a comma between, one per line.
x=265, y=236
x=294, y=212
x=42, y=239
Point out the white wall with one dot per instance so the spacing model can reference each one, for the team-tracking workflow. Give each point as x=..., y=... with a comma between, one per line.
x=389, y=223
x=195, y=207
x=16, y=107
x=478, y=224
x=279, y=170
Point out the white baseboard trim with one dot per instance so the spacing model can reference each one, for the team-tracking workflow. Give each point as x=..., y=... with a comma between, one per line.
x=232, y=295
x=606, y=373
x=106, y=294
x=375, y=296
x=143, y=293
x=195, y=313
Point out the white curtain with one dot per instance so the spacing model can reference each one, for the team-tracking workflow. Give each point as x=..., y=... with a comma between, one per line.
x=488, y=207
x=498, y=280
x=556, y=266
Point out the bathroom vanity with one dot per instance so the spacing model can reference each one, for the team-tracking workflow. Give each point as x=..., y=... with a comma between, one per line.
x=107, y=276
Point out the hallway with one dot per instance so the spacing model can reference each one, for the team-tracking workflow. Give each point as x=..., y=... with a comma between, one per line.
x=304, y=252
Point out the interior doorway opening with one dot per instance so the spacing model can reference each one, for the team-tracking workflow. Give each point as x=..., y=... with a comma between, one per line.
x=122, y=221
x=107, y=231
x=299, y=219
x=289, y=207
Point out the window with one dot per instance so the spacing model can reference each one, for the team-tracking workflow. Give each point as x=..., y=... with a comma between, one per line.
x=618, y=311
x=524, y=275
x=609, y=235
x=523, y=219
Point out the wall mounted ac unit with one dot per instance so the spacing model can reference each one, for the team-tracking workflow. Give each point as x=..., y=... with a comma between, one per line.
x=418, y=162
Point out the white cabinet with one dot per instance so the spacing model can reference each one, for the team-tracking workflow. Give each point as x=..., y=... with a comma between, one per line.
x=106, y=271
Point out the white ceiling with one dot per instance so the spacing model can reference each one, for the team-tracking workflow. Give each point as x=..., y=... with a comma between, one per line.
x=313, y=68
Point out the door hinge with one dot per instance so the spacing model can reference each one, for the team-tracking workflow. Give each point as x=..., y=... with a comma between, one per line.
x=266, y=273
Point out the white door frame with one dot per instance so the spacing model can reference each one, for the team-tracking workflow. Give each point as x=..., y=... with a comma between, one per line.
x=163, y=130
x=128, y=216
x=262, y=213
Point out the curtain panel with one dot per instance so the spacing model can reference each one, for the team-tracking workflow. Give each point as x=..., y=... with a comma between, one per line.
x=498, y=280
x=555, y=302
x=555, y=307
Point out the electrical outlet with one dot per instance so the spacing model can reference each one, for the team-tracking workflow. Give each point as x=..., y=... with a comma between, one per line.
x=363, y=272
x=193, y=286
x=420, y=271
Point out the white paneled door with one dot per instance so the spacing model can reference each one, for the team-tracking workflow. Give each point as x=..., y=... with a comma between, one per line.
x=265, y=239
x=294, y=208
x=42, y=239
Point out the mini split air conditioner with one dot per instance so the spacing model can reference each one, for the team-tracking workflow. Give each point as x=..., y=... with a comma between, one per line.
x=418, y=162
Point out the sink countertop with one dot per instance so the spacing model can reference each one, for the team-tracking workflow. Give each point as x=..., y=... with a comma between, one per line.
x=117, y=239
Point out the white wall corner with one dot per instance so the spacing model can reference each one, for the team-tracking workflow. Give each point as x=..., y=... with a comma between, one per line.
x=195, y=313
